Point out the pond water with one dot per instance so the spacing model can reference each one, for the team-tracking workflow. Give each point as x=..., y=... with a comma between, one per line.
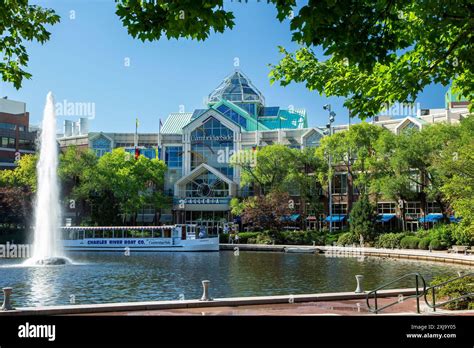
x=114, y=277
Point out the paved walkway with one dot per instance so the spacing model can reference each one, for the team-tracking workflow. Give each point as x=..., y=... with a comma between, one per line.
x=336, y=308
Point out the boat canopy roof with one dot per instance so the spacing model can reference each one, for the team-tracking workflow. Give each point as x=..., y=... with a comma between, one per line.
x=166, y=227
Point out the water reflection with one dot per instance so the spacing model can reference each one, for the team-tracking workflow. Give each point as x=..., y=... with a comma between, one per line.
x=113, y=277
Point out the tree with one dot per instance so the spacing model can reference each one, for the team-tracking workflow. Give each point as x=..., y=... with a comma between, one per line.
x=267, y=167
x=379, y=52
x=16, y=192
x=456, y=164
x=20, y=22
x=362, y=219
x=355, y=149
x=266, y=212
x=119, y=184
x=305, y=169
x=75, y=166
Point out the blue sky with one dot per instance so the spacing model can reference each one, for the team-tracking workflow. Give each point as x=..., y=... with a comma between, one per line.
x=85, y=61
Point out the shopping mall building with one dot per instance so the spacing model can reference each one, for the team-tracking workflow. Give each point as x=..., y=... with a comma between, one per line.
x=197, y=146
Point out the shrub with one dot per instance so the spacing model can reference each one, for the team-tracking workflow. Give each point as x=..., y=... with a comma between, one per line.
x=332, y=238
x=244, y=236
x=463, y=233
x=252, y=241
x=390, y=240
x=263, y=238
x=436, y=244
x=409, y=242
x=223, y=238
x=457, y=288
x=347, y=238
x=443, y=233
x=303, y=237
x=424, y=243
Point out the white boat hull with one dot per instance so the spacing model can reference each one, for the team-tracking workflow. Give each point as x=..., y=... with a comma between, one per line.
x=141, y=244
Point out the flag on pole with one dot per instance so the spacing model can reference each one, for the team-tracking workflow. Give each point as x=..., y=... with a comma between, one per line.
x=136, y=133
x=158, y=144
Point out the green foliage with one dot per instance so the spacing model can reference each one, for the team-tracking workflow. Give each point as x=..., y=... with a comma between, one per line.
x=114, y=184
x=194, y=19
x=303, y=237
x=456, y=164
x=390, y=240
x=378, y=52
x=244, y=236
x=236, y=206
x=357, y=150
x=264, y=238
x=332, y=238
x=442, y=233
x=20, y=22
x=424, y=243
x=457, y=288
x=436, y=244
x=347, y=238
x=223, y=238
x=268, y=167
x=409, y=242
x=24, y=174
x=362, y=219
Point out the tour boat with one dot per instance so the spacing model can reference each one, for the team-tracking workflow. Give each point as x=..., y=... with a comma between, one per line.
x=138, y=238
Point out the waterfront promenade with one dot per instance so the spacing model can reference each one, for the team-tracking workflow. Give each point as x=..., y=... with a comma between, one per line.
x=350, y=251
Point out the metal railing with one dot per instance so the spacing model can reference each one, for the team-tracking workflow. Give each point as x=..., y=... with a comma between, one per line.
x=432, y=290
x=376, y=309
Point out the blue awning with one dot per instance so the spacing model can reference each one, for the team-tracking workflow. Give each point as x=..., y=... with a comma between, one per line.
x=292, y=217
x=431, y=218
x=335, y=218
x=454, y=219
x=385, y=217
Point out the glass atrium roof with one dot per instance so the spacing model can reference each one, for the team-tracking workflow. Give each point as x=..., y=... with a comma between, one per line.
x=237, y=88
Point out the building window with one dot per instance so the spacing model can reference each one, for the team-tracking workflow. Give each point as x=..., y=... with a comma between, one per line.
x=249, y=108
x=339, y=209
x=101, y=146
x=386, y=208
x=207, y=185
x=7, y=142
x=413, y=210
x=415, y=179
x=433, y=208
x=9, y=126
x=234, y=116
x=312, y=140
x=339, y=184
x=174, y=156
x=212, y=143
x=25, y=144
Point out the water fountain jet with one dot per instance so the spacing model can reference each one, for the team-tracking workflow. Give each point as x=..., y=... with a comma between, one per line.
x=46, y=244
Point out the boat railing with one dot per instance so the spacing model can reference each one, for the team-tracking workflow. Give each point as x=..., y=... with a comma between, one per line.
x=86, y=232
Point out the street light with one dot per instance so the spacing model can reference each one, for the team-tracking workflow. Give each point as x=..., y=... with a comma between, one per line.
x=332, y=118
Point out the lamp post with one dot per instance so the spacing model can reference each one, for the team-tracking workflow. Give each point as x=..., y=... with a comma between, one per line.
x=329, y=131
